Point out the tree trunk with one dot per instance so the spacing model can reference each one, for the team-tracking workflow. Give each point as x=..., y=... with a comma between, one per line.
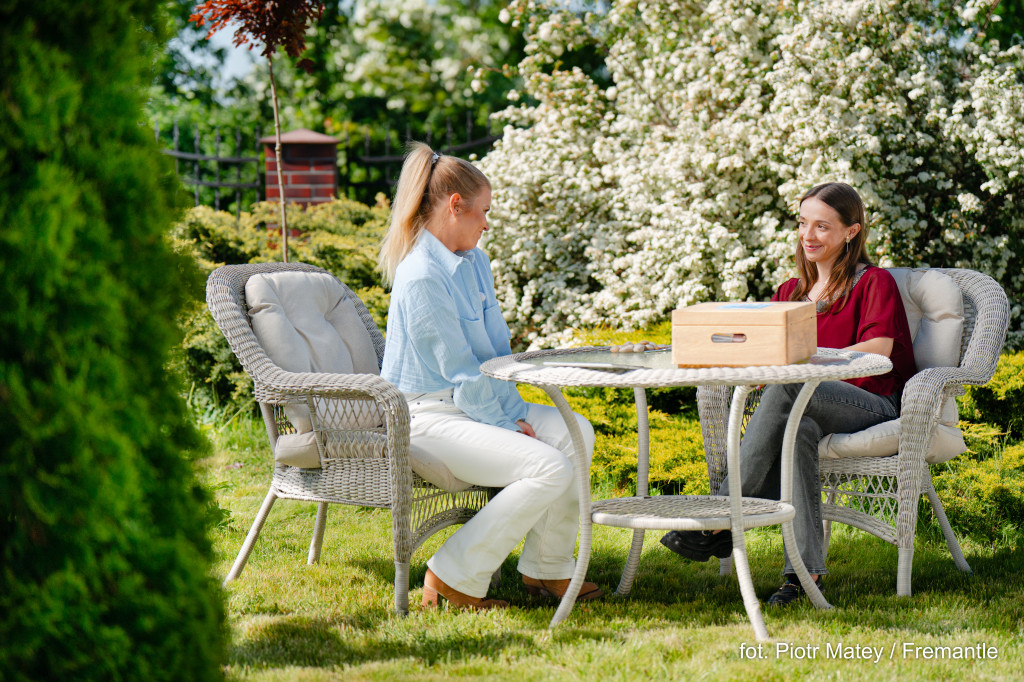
x=280, y=174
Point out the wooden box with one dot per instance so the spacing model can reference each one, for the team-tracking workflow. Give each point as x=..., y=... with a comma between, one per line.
x=743, y=334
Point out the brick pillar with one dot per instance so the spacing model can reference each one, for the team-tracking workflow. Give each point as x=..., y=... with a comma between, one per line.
x=309, y=164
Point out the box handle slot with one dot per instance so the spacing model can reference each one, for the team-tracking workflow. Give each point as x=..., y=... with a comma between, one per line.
x=728, y=338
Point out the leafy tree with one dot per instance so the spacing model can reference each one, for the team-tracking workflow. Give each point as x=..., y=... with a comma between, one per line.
x=404, y=64
x=104, y=557
x=281, y=24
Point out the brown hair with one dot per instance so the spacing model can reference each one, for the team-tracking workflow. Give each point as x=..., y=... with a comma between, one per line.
x=428, y=179
x=845, y=201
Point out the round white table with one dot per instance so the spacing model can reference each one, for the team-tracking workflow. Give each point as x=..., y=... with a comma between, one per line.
x=553, y=370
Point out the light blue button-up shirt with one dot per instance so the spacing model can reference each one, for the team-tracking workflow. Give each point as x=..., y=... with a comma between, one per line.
x=443, y=322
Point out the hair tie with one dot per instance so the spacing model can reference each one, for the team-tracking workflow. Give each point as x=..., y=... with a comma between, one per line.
x=433, y=161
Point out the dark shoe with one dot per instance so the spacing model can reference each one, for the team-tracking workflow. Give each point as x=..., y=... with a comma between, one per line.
x=699, y=545
x=555, y=589
x=791, y=591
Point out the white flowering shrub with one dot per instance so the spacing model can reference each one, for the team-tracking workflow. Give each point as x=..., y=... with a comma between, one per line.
x=679, y=183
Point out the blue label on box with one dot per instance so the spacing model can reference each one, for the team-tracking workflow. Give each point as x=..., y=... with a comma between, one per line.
x=743, y=306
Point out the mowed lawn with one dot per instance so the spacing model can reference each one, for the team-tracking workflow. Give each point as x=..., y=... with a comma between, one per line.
x=335, y=620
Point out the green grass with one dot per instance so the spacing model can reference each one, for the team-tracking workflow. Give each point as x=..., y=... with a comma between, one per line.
x=334, y=620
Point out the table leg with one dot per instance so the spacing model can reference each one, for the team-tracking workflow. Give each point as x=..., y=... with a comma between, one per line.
x=581, y=475
x=642, y=475
x=739, y=542
x=786, y=489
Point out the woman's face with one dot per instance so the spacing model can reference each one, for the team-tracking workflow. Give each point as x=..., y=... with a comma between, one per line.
x=822, y=233
x=469, y=221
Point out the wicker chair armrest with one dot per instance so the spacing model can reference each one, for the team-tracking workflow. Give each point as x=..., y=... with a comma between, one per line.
x=391, y=401
x=328, y=385
x=922, y=400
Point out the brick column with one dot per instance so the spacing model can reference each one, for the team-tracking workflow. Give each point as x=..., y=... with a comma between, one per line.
x=309, y=164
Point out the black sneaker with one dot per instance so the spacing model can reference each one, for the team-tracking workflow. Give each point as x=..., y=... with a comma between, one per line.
x=699, y=545
x=791, y=591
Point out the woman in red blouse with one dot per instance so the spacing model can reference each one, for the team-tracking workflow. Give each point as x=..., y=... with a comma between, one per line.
x=859, y=308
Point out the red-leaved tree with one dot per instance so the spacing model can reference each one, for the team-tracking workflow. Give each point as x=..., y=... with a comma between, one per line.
x=275, y=24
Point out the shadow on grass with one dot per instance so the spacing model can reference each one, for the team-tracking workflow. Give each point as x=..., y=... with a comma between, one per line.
x=301, y=641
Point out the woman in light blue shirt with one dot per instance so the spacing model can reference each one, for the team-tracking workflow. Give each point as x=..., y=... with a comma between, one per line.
x=444, y=321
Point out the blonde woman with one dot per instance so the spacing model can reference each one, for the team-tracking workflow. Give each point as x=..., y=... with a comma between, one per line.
x=443, y=322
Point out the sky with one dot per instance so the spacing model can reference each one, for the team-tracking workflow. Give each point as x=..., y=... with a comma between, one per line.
x=240, y=60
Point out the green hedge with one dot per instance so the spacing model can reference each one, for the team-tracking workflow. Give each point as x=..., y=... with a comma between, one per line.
x=1001, y=400
x=104, y=555
x=341, y=236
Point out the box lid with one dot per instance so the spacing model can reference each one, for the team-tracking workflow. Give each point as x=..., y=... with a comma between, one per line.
x=745, y=312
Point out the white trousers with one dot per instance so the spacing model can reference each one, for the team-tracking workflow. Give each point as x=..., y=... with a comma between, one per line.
x=539, y=499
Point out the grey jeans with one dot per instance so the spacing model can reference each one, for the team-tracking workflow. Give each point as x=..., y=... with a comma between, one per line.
x=835, y=407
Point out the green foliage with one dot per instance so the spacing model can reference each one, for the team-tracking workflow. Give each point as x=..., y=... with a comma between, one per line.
x=104, y=554
x=984, y=498
x=340, y=236
x=398, y=65
x=999, y=401
x=1010, y=29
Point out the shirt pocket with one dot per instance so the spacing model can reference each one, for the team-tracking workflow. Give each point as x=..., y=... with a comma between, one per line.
x=497, y=328
x=475, y=332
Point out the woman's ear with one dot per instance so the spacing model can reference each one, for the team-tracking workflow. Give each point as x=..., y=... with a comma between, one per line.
x=854, y=229
x=455, y=204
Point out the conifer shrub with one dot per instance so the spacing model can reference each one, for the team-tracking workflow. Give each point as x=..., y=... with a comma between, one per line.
x=983, y=498
x=104, y=554
x=341, y=236
x=999, y=401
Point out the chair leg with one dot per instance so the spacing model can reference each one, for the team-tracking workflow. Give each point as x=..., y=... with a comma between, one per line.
x=318, y=534
x=904, y=567
x=725, y=566
x=947, y=530
x=632, y=564
x=402, y=587
x=250, y=539
x=825, y=523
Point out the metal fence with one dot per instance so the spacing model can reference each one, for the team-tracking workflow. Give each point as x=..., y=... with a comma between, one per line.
x=202, y=171
x=366, y=167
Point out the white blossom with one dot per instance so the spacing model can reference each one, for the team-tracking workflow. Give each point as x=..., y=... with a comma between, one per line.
x=678, y=183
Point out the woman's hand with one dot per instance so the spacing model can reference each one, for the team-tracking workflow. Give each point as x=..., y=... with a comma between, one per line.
x=525, y=428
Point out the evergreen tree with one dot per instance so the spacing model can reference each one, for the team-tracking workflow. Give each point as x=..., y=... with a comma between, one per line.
x=104, y=555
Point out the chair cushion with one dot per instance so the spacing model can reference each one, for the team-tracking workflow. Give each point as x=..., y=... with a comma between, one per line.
x=297, y=450
x=883, y=440
x=935, y=314
x=305, y=322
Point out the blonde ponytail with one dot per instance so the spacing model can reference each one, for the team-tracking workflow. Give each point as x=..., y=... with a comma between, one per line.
x=426, y=182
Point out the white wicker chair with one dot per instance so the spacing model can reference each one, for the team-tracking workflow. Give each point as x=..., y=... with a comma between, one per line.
x=365, y=466
x=880, y=494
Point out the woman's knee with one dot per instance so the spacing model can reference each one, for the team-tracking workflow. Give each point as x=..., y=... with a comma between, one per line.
x=556, y=470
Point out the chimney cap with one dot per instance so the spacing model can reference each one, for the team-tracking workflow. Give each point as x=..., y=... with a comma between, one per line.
x=300, y=136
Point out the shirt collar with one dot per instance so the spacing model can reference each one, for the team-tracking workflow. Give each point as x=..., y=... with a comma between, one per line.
x=439, y=252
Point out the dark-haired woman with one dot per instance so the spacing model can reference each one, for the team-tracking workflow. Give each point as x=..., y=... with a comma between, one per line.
x=443, y=322
x=859, y=308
